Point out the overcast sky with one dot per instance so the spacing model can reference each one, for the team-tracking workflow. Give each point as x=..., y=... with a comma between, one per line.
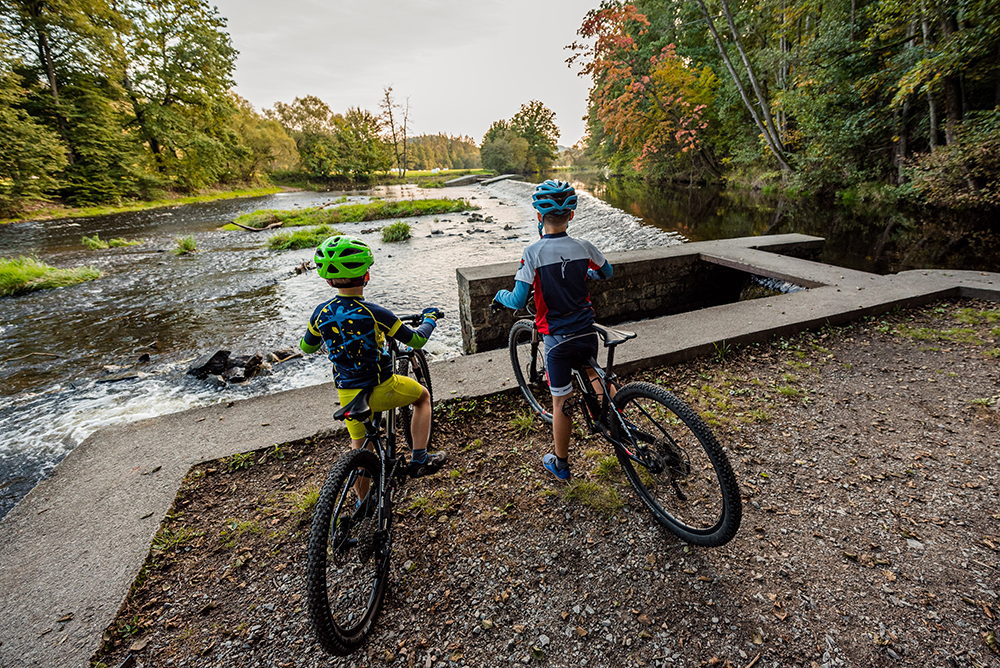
x=462, y=63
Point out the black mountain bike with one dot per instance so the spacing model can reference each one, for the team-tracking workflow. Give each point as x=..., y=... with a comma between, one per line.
x=350, y=542
x=667, y=452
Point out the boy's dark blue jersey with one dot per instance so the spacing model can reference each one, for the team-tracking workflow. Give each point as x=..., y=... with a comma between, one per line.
x=354, y=331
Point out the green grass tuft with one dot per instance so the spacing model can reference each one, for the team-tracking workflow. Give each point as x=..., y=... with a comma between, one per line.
x=185, y=245
x=24, y=274
x=602, y=498
x=97, y=243
x=301, y=238
x=396, y=232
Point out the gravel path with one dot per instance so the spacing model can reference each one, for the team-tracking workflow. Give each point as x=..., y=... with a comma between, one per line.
x=867, y=459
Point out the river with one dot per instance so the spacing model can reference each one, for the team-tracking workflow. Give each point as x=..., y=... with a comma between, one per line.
x=236, y=295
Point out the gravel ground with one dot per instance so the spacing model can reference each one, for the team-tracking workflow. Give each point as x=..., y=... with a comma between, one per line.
x=867, y=460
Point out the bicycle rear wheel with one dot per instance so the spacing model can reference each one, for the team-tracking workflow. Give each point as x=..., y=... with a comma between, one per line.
x=676, y=465
x=527, y=356
x=348, y=569
x=414, y=365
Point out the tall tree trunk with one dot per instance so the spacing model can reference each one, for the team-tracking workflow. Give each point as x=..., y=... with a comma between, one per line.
x=901, y=144
x=774, y=146
x=931, y=107
x=952, y=91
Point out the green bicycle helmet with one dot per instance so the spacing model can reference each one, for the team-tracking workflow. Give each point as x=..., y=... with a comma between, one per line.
x=343, y=257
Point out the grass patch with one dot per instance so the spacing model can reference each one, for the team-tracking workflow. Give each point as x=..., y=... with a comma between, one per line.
x=602, y=498
x=169, y=538
x=607, y=467
x=49, y=213
x=971, y=316
x=523, y=422
x=301, y=238
x=790, y=392
x=233, y=529
x=475, y=445
x=351, y=213
x=396, y=232
x=955, y=334
x=97, y=243
x=304, y=500
x=185, y=245
x=24, y=274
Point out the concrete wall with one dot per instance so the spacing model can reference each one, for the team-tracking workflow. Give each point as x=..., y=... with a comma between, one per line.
x=646, y=283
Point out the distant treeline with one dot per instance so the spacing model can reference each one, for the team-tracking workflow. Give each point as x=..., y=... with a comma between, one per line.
x=109, y=100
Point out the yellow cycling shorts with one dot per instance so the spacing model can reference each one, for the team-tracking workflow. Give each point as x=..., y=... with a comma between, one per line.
x=393, y=393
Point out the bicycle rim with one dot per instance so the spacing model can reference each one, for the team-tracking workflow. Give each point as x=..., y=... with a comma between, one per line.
x=413, y=365
x=690, y=486
x=347, y=570
x=528, y=359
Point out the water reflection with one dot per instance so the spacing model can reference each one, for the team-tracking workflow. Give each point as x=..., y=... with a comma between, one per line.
x=881, y=240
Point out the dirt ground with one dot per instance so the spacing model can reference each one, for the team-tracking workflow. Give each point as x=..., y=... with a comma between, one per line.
x=866, y=455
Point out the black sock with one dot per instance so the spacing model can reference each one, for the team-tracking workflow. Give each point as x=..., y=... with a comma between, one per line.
x=562, y=463
x=418, y=456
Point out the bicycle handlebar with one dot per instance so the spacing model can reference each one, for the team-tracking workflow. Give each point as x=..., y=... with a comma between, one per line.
x=415, y=319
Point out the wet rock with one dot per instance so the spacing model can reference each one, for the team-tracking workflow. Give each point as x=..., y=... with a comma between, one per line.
x=143, y=358
x=115, y=377
x=304, y=267
x=256, y=366
x=207, y=365
x=239, y=361
x=217, y=382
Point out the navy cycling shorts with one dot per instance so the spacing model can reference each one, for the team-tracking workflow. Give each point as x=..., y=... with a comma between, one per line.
x=562, y=353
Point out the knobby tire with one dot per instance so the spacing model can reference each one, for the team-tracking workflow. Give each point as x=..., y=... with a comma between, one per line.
x=693, y=461
x=337, y=576
x=536, y=393
x=414, y=367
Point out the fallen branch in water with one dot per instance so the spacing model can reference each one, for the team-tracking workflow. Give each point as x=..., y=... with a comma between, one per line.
x=257, y=229
x=14, y=359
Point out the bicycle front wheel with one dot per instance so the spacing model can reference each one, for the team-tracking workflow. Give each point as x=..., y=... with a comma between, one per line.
x=527, y=356
x=676, y=465
x=348, y=565
x=414, y=365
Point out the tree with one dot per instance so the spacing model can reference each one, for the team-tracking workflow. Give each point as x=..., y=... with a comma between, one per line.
x=537, y=125
x=363, y=151
x=504, y=151
x=397, y=132
x=268, y=146
x=176, y=66
x=29, y=153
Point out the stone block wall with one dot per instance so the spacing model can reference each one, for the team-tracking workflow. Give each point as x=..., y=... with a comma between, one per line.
x=646, y=283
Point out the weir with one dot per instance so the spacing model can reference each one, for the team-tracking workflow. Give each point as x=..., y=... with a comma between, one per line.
x=647, y=283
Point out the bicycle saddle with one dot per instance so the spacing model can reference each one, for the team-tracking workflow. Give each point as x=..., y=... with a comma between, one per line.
x=358, y=408
x=612, y=337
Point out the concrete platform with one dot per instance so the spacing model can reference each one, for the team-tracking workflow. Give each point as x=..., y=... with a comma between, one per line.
x=71, y=549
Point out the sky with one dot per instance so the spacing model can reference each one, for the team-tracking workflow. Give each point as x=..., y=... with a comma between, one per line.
x=462, y=63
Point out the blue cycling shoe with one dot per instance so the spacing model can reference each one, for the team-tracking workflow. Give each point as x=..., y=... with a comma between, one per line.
x=549, y=462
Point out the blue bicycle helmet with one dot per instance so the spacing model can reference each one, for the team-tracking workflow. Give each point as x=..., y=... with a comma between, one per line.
x=552, y=196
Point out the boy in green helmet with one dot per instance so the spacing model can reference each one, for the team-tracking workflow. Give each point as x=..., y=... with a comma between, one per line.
x=354, y=331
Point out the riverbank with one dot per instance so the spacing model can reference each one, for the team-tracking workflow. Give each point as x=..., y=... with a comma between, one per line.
x=52, y=212
x=865, y=456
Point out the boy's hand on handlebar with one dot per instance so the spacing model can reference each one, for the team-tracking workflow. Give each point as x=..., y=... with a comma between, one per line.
x=434, y=314
x=496, y=305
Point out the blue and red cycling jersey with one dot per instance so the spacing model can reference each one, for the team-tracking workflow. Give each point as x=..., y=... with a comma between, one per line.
x=556, y=266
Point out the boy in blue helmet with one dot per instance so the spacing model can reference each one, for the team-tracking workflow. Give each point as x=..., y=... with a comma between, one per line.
x=354, y=331
x=557, y=266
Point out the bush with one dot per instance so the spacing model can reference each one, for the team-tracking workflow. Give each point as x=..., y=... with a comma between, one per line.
x=351, y=213
x=25, y=274
x=396, y=232
x=966, y=174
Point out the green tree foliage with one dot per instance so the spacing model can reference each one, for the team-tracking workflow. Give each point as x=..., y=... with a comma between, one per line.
x=176, y=65
x=29, y=152
x=526, y=143
x=267, y=147
x=832, y=94
x=444, y=152
x=536, y=123
x=334, y=145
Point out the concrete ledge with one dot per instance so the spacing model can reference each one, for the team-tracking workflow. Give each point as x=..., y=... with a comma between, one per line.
x=76, y=543
x=647, y=283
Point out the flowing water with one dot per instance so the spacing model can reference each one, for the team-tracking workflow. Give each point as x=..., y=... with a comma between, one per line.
x=236, y=295
x=233, y=294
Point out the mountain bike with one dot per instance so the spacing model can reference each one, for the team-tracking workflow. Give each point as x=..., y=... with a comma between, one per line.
x=668, y=454
x=350, y=542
